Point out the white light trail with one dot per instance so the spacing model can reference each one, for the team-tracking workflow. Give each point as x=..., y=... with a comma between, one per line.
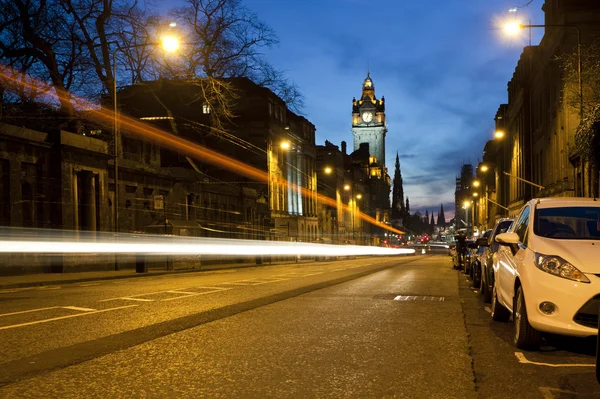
x=44, y=242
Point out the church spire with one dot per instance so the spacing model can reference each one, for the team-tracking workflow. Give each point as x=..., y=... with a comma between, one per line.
x=398, y=209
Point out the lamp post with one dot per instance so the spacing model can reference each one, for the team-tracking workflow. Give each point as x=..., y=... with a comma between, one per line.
x=466, y=206
x=169, y=44
x=514, y=28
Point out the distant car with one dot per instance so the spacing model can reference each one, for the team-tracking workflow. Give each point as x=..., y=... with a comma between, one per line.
x=476, y=259
x=489, y=247
x=546, y=270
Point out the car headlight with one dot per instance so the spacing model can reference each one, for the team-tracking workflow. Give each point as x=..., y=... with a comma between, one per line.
x=559, y=267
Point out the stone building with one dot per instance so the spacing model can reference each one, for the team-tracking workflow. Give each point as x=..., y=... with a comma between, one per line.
x=537, y=157
x=262, y=133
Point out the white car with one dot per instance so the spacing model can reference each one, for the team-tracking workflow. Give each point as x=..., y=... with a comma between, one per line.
x=547, y=270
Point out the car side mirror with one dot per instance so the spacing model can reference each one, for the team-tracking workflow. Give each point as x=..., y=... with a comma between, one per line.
x=507, y=238
x=510, y=240
x=482, y=242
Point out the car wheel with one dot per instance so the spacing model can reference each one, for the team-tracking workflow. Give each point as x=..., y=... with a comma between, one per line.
x=499, y=312
x=485, y=290
x=526, y=337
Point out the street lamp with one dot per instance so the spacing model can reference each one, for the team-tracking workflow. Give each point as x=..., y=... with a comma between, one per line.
x=513, y=28
x=328, y=170
x=498, y=134
x=466, y=205
x=169, y=44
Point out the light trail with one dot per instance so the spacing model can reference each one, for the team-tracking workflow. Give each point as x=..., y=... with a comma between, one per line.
x=68, y=242
x=167, y=140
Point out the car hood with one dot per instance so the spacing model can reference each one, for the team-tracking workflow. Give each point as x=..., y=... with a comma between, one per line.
x=583, y=254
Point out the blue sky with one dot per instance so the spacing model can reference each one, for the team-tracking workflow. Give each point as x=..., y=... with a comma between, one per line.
x=442, y=65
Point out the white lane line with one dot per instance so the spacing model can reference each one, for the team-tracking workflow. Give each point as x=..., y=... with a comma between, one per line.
x=487, y=309
x=64, y=317
x=29, y=311
x=80, y=309
x=133, y=299
x=188, y=296
x=182, y=292
x=88, y=284
x=524, y=360
x=50, y=288
x=214, y=288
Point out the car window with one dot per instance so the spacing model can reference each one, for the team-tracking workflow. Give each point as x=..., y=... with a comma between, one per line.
x=572, y=222
x=522, y=224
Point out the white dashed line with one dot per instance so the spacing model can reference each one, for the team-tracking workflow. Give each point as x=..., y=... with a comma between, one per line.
x=29, y=311
x=131, y=299
x=64, y=317
x=80, y=309
x=523, y=359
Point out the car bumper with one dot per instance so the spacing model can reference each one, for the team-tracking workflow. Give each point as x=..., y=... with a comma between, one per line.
x=575, y=303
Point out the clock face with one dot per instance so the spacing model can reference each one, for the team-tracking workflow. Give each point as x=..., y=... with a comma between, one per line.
x=367, y=116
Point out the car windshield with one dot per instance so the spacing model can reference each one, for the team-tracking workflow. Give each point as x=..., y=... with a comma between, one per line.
x=568, y=223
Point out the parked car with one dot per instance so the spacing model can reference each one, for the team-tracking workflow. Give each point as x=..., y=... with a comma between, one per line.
x=546, y=270
x=488, y=248
x=481, y=245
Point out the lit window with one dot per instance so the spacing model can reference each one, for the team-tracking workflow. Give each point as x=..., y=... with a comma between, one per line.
x=206, y=109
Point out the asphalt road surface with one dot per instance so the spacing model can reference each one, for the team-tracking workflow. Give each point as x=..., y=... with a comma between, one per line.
x=391, y=327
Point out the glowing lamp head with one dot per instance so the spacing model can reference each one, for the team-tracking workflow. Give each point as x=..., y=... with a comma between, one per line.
x=499, y=134
x=285, y=145
x=328, y=170
x=476, y=183
x=475, y=194
x=512, y=28
x=484, y=168
x=359, y=196
x=467, y=204
x=170, y=43
x=347, y=187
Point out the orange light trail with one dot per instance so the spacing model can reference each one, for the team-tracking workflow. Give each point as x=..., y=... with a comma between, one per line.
x=198, y=152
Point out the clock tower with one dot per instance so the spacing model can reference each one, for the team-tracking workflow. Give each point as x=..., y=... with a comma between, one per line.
x=368, y=121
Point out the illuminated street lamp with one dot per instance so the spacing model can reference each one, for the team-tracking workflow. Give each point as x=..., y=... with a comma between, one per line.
x=328, y=170
x=498, y=134
x=513, y=28
x=476, y=183
x=484, y=168
x=286, y=145
x=359, y=196
x=347, y=187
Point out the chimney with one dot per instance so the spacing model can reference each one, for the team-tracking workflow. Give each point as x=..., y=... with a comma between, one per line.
x=344, y=147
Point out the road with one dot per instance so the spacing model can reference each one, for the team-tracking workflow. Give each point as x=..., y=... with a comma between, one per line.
x=405, y=327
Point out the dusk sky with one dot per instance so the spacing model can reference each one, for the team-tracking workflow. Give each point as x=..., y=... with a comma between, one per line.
x=443, y=67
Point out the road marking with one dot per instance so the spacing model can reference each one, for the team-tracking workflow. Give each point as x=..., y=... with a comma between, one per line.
x=29, y=311
x=182, y=292
x=215, y=288
x=488, y=309
x=50, y=288
x=133, y=299
x=88, y=284
x=524, y=360
x=64, y=317
x=194, y=294
x=78, y=308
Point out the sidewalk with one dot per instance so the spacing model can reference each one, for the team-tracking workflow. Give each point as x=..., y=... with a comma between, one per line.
x=43, y=279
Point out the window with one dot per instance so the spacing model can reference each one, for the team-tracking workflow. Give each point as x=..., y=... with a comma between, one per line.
x=206, y=109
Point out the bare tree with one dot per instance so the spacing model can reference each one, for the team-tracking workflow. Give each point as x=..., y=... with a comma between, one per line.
x=37, y=35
